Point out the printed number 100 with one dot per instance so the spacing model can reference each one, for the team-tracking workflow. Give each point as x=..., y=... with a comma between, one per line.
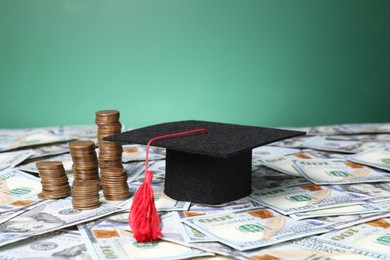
x=108, y=252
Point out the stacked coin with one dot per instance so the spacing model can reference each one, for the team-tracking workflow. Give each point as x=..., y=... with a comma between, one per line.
x=85, y=194
x=110, y=153
x=54, y=180
x=85, y=162
x=114, y=183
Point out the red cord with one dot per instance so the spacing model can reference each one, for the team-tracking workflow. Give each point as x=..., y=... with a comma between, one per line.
x=200, y=130
x=143, y=217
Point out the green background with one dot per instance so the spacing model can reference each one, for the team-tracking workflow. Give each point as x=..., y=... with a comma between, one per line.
x=255, y=62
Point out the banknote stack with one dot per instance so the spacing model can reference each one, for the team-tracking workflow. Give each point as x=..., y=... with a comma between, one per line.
x=85, y=162
x=325, y=195
x=54, y=181
x=85, y=194
x=110, y=153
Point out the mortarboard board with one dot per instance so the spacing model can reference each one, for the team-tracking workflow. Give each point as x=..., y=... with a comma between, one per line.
x=213, y=167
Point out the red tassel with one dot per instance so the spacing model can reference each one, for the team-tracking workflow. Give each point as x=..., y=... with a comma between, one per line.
x=143, y=217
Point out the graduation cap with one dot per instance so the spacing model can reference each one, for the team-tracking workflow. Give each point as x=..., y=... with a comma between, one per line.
x=210, y=167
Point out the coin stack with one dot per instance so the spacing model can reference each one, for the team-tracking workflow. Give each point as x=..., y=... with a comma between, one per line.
x=85, y=162
x=113, y=176
x=114, y=182
x=85, y=194
x=110, y=153
x=54, y=181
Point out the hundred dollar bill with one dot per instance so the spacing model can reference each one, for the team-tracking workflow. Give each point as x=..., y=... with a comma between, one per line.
x=265, y=177
x=7, y=215
x=267, y=150
x=12, y=140
x=133, y=153
x=370, y=128
x=158, y=170
x=323, y=154
x=362, y=137
x=378, y=157
x=48, y=216
x=294, y=142
x=260, y=182
x=336, y=171
x=339, y=211
x=251, y=228
x=193, y=234
x=306, y=198
x=162, y=201
x=321, y=143
x=66, y=160
x=75, y=131
x=228, y=206
x=172, y=228
x=11, y=159
x=107, y=238
x=349, y=129
x=284, y=163
x=373, y=236
x=344, y=221
x=50, y=150
x=18, y=190
x=379, y=191
x=313, y=248
x=54, y=245
x=175, y=231
x=134, y=169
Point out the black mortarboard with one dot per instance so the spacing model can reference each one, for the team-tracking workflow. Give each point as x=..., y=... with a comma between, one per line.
x=211, y=168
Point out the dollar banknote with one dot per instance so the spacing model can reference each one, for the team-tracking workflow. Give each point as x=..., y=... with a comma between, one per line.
x=264, y=177
x=378, y=157
x=344, y=221
x=175, y=231
x=306, y=198
x=294, y=142
x=108, y=238
x=337, y=171
x=339, y=211
x=10, y=214
x=379, y=191
x=158, y=170
x=85, y=132
x=55, y=245
x=162, y=201
x=48, y=216
x=349, y=129
x=283, y=163
x=323, y=154
x=373, y=236
x=194, y=235
x=11, y=159
x=50, y=150
x=133, y=153
x=24, y=138
x=362, y=137
x=228, y=206
x=267, y=150
x=18, y=190
x=313, y=248
x=65, y=159
x=322, y=143
x=252, y=228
